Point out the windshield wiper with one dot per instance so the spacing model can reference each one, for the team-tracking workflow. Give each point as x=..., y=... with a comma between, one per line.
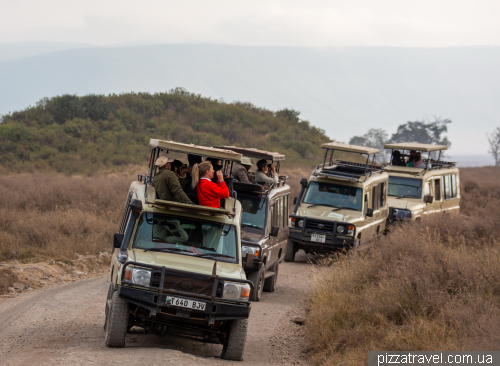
x=407, y=196
x=214, y=255
x=252, y=225
x=166, y=250
x=344, y=208
x=320, y=204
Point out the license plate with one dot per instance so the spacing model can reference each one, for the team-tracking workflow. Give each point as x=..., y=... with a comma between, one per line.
x=318, y=238
x=184, y=303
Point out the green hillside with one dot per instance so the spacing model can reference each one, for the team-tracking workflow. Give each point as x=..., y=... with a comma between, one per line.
x=74, y=134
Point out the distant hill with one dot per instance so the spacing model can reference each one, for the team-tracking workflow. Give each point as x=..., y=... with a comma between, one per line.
x=74, y=134
x=344, y=91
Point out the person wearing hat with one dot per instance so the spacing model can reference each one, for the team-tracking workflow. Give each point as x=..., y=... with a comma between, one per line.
x=166, y=184
x=240, y=170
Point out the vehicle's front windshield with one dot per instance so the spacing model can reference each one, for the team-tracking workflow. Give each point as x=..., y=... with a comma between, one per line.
x=254, y=212
x=405, y=187
x=334, y=195
x=183, y=235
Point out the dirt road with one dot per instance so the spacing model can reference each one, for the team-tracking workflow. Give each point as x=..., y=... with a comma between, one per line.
x=64, y=326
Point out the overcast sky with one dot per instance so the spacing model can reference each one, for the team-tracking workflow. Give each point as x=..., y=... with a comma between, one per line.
x=423, y=23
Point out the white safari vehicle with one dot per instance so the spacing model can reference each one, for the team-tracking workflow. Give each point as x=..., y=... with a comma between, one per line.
x=342, y=205
x=176, y=267
x=417, y=192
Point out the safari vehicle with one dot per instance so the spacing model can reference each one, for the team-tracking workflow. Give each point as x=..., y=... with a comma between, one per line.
x=176, y=267
x=342, y=205
x=264, y=224
x=415, y=192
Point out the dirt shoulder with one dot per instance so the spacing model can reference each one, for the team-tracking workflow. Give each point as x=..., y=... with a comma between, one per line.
x=63, y=325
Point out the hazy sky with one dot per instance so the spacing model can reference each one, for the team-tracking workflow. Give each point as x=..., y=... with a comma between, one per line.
x=423, y=23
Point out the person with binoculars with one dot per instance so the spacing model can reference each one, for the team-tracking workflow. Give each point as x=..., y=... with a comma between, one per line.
x=261, y=175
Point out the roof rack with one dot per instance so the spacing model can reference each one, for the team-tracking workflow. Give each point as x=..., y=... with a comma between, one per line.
x=343, y=169
x=254, y=153
x=435, y=164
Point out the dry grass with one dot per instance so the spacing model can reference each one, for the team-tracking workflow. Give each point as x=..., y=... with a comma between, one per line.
x=56, y=216
x=432, y=285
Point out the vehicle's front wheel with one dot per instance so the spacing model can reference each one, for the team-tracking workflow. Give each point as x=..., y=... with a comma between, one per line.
x=234, y=346
x=257, y=279
x=290, y=251
x=117, y=322
x=111, y=290
x=270, y=282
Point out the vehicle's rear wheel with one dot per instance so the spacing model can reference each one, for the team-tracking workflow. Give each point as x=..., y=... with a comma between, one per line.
x=257, y=279
x=117, y=322
x=234, y=347
x=270, y=282
x=290, y=251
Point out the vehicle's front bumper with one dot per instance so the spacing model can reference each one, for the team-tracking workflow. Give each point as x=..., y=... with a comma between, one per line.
x=214, y=311
x=303, y=238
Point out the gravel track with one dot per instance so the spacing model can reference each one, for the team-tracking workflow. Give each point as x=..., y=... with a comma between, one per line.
x=63, y=325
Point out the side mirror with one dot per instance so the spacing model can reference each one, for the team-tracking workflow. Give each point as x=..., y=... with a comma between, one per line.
x=369, y=212
x=303, y=182
x=429, y=199
x=274, y=231
x=295, y=200
x=249, y=260
x=118, y=240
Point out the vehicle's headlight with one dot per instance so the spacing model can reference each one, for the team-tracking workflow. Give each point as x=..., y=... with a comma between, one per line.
x=236, y=291
x=249, y=250
x=401, y=214
x=141, y=276
x=301, y=223
x=350, y=229
x=340, y=229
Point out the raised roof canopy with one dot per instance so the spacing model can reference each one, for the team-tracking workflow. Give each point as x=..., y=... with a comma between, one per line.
x=211, y=152
x=415, y=146
x=350, y=148
x=254, y=153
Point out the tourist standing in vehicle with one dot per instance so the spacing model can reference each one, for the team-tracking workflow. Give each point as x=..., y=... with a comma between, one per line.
x=166, y=184
x=209, y=193
x=240, y=171
x=261, y=173
x=397, y=159
x=419, y=163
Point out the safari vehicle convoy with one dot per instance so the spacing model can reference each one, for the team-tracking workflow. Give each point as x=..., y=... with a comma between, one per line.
x=342, y=205
x=432, y=187
x=264, y=221
x=177, y=267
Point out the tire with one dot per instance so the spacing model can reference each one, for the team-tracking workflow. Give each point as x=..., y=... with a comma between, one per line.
x=270, y=282
x=117, y=322
x=290, y=251
x=111, y=290
x=257, y=279
x=234, y=347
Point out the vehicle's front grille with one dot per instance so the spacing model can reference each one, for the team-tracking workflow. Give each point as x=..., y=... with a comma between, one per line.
x=316, y=225
x=184, y=283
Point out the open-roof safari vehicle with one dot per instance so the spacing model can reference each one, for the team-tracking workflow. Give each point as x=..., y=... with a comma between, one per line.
x=414, y=192
x=264, y=224
x=343, y=205
x=176, y=267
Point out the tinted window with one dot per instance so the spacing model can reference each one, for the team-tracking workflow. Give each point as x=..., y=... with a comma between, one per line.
x=335, y=195
x=186, y=236
x=405, y=187
x=254, y=211
x=449, y=186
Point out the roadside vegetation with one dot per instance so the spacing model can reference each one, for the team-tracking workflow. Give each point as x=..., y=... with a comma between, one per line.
x=82, y=135
x=429, y=285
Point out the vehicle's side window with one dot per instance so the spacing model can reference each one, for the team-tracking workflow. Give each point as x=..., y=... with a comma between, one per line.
x=382, y=194
x=272, y=214
x=374, y=197
x=427, y=188
x=365, y=204
x=284, y=222
x=437, y=189
x=279, y=211
x=450, y=186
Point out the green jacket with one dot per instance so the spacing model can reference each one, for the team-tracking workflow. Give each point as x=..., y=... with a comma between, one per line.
x=167, y=186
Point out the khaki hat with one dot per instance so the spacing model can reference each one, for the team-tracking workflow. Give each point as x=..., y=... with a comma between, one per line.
x=245, y=160
x=162, y=160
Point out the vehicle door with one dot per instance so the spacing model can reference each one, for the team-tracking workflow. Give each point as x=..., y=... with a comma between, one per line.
x=364, y=228
x=282, y=222
x=437, y=190
x=270, y=241
x=451, y=200
x=378, y=205
x=428, y=190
